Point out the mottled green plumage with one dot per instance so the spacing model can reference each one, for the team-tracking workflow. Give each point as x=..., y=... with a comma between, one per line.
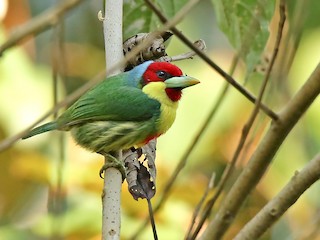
x=118, y=113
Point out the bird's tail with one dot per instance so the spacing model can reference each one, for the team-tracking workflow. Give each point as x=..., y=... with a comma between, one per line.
x=41, y=129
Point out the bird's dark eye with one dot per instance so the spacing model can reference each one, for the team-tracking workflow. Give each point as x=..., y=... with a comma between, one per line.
x=162, y=74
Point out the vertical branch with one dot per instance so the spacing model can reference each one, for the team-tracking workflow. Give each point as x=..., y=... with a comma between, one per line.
x=112, y=29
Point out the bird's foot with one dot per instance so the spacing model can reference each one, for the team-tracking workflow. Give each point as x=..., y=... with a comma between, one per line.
x=113, y=162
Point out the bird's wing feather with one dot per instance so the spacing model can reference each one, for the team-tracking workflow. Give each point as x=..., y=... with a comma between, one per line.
x=110, y=102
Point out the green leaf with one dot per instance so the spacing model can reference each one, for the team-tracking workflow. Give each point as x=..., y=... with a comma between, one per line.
x=245, y=23
x=138, y=18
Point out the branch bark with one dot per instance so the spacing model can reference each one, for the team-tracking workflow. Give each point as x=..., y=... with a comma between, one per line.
x=111, y=197
x=299, y=183
x=263, y=155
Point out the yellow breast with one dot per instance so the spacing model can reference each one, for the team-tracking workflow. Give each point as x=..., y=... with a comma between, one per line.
x=156, y=90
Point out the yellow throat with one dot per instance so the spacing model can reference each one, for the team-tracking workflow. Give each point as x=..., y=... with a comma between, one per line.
x=156, y=90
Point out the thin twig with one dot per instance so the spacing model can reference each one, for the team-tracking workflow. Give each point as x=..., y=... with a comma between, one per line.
x=204, y=57
x=275, y=208
x=247, y=127
x=38, y=24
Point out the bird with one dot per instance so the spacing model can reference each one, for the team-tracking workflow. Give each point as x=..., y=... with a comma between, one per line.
x=124, y=111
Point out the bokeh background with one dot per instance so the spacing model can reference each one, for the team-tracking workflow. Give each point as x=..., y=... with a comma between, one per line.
x=31, y=205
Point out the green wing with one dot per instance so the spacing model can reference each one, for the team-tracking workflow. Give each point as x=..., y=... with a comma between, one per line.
x=112, y=100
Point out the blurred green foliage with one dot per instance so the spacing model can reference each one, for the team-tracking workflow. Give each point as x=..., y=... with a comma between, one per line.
x=28, y=170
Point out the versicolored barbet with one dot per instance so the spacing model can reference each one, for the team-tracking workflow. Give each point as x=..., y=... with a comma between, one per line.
x=126, y=110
